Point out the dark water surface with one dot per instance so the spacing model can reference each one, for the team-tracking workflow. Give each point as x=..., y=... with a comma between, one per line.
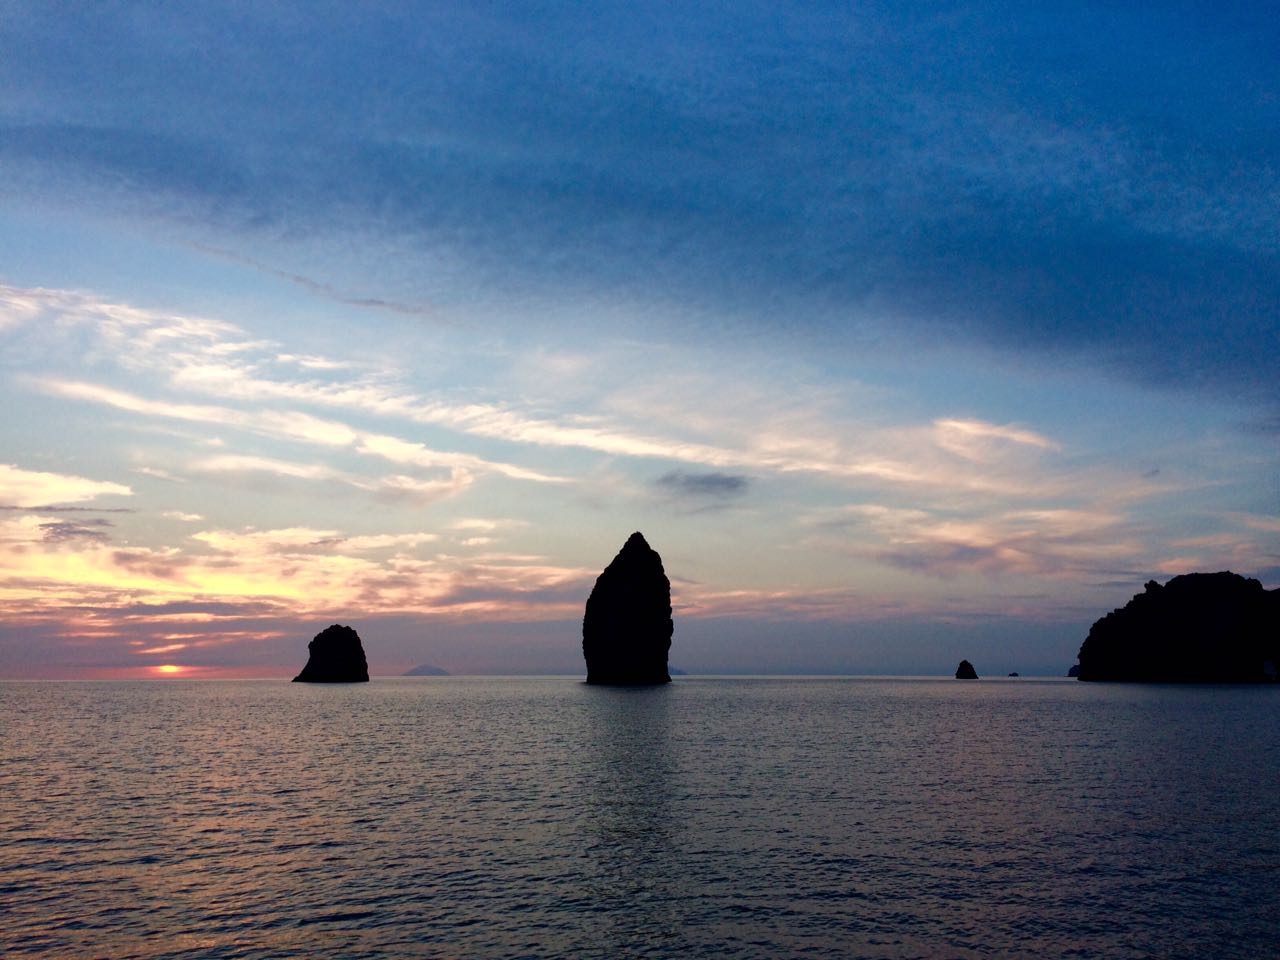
x=708, y=818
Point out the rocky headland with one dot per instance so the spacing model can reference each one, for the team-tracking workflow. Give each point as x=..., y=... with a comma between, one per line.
x=1197, y=628
x=335, y=656
x=627, y=627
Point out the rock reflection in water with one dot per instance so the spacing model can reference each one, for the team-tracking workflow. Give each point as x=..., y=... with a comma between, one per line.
x=632, y=829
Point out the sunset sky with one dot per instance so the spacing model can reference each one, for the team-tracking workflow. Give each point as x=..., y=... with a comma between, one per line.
x=904, y=335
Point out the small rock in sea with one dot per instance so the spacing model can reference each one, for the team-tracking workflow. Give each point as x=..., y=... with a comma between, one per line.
x=336, y=656
x=965, y=671
x=1015, y=674
x=627, y=627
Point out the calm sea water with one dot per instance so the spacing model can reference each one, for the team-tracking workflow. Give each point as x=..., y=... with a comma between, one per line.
x=708, y=818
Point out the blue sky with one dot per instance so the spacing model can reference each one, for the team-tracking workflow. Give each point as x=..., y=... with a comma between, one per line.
x=903, y=334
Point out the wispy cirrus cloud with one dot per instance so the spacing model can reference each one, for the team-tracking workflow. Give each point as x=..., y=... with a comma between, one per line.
x=418, y=490
x=1056, y=543
x=755, y=430
x=977, y=440
x=216, y=359
x=31, y=488
x=293, y=426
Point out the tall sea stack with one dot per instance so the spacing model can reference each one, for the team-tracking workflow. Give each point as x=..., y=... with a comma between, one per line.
x=336, y=656
x=626, y=632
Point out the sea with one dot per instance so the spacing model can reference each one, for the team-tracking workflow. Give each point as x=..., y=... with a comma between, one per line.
x=712, y=817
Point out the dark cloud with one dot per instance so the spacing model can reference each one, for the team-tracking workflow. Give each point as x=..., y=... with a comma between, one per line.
x=1091, y=184
x=317, y=287
x=703, y=486
x=149, y=564
x=945, y=560
x=63, y=531
x=54, y=508
x=245, y=609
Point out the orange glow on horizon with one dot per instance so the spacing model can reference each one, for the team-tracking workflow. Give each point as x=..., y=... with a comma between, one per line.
x=168, y=669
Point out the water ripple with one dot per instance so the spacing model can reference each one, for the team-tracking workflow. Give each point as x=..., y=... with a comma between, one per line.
x=545, y=818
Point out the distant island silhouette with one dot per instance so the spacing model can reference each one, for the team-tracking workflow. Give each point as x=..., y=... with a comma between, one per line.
x=335, y=656
x=627, y=626
x=1197, y=628
x=426, y=670
x=965, y=671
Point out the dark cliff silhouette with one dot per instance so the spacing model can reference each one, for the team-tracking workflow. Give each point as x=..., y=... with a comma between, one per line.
x=1197, y=628
x=965, y=671
x=336, y=656
x=626, y=630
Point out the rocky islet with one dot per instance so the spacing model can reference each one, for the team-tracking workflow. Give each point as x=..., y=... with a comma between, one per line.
x=335, y=655
x=627, y=626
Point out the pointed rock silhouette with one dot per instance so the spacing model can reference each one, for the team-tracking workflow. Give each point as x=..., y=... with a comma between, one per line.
x=336, y=656
x=626, y=630
x=965, y=671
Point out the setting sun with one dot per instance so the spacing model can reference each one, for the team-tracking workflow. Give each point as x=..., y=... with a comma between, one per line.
x=168, y=669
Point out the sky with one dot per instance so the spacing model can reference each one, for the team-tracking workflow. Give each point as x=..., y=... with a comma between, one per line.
x=904, y=333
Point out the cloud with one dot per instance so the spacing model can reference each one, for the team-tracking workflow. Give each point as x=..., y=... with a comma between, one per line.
x=486, y=524
x=416, y=490
x=1058, y=543
x=62, y=531
x=210, y=357
x=123, y=400
x=31, y=488
x=977, y=482
x=977, y=440
x=48, y=571
x=815, y=432
x=322, y=290
x=703, y=486
x=312, y=363
x=384, y=541
x=162, y=648
x=417, y=454
x=297, y=427
x=883, y=175
x=239, y=463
